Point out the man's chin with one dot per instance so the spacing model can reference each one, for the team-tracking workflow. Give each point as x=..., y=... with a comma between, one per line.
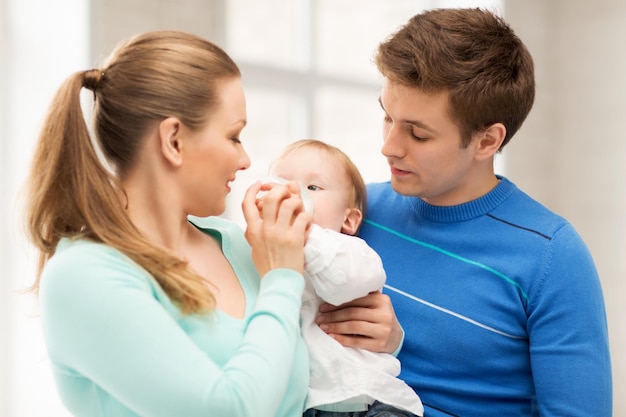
x=402, y=188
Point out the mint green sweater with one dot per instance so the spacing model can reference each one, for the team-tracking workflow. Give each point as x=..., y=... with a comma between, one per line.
x=119, y=347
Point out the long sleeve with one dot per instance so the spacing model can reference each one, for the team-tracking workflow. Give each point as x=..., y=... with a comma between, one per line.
x=500, y=301
x=568, y=333
x=121, y=348
x=341, y=267
x=338, y=269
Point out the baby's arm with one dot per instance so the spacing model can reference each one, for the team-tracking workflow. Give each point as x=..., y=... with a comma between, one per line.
x=341, y=267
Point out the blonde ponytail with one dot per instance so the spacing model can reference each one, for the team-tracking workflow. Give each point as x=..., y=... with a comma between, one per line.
x=70, y=193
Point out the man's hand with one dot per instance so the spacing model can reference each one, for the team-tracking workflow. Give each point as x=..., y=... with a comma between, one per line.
x=368, y=322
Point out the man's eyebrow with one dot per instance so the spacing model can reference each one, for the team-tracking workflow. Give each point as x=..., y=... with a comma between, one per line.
x=416, y=123
x=420, y=124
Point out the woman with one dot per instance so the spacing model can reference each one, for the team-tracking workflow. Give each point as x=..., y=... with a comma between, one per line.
x=151, y=305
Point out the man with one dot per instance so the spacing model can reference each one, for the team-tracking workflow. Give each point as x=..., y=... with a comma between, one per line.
x=499, y=297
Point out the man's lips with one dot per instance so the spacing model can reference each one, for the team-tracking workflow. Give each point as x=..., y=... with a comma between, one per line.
x=398, y=171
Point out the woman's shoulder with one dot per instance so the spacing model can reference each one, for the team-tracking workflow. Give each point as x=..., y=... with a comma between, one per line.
x=81, y=263
x=78, y=253
x=84, y=251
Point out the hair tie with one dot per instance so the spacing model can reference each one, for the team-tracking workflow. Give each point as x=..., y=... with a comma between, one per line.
x=92, y=79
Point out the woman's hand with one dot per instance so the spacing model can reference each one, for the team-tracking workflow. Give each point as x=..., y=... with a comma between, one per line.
x=276, y=226
x=368, y=322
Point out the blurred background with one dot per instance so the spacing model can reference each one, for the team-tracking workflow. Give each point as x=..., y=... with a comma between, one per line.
x=308, y=73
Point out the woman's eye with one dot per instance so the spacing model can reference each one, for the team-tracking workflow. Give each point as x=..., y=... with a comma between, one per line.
x=312, y=187
x=236, y=140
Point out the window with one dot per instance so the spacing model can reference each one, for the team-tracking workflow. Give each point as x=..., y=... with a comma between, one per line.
x=308, y=72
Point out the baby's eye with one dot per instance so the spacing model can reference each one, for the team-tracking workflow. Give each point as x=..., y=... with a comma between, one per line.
x=313, y=187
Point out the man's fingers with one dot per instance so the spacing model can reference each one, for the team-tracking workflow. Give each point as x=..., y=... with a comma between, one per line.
x=369, y=301
x=355, y=341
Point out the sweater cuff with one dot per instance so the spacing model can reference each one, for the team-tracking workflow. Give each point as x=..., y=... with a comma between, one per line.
x=399, y=348
x=285, y=278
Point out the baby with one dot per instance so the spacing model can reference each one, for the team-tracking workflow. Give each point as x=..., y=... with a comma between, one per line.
x=340, y=267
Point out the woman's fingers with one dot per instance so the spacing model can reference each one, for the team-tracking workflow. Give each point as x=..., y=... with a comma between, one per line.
x=249, y=203
x=276, y=226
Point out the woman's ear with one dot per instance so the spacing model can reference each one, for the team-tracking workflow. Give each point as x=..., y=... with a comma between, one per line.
x=352, y=221
x=490, y=140
x=171, y=144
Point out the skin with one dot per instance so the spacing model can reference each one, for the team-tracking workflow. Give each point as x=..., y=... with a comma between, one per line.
x=367, y=322
x=181, y=172
x=423, y=147
x=426, y=158
x=328, y=186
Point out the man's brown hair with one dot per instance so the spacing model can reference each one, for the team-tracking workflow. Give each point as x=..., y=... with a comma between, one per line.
x=473, y=55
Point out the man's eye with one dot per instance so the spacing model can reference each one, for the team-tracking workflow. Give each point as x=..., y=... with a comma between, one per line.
x=418, y=138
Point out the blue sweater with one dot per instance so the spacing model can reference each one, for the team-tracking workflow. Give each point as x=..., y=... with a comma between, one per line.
x=501, y=304
x=120, y=347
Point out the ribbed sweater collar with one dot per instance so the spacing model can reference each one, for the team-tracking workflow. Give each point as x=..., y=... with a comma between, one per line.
x=466, y=211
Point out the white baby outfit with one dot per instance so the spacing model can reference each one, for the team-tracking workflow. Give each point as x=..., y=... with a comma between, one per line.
x=338, y=269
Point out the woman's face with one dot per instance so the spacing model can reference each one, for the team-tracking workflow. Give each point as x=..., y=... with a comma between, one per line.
x=214, y=154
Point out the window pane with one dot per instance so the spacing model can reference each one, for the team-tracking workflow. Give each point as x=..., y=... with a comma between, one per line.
x=347, y=33
x=352, y=121
x=274, y=120
x=271, y=32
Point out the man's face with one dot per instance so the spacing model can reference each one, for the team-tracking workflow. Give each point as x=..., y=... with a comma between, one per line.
x=424, y=149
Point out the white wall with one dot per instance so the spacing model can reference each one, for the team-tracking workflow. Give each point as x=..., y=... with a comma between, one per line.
x=5, y=313
x=571, y=153
x=41, y=43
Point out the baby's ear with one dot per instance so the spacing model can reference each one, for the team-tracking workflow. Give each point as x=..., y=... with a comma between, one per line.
x=352, y=221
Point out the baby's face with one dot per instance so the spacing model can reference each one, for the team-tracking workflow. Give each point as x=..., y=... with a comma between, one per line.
x=325, y=180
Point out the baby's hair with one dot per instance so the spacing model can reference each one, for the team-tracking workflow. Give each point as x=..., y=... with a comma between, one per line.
x=358, y=194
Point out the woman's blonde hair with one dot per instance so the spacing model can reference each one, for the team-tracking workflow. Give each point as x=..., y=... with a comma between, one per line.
x=71, y=193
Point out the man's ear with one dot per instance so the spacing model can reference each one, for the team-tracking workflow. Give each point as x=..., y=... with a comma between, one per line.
x=352, y=221
x=170, y=131
x=490, y=140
